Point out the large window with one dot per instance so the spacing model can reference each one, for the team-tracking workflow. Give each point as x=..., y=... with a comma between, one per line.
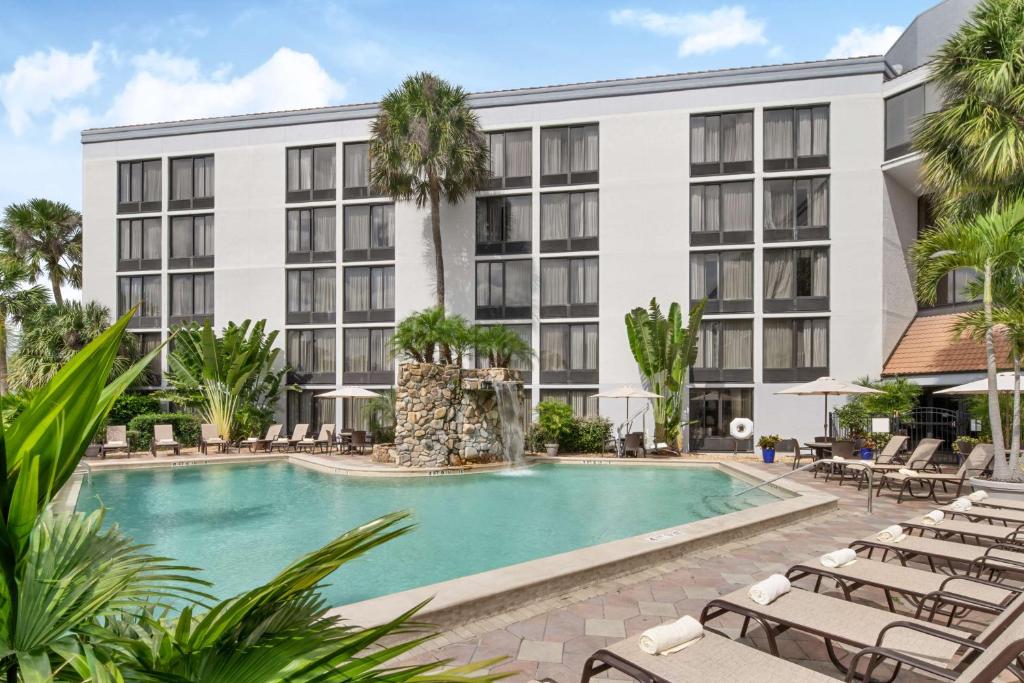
x=796, y=138
x=369, y=233
x=581, y=401
x=144, y=291
x=303, y=407
x=524, y=366
x=504, y=225
x=367, y=357
x=138, y=244
x=311, y=173
x=568, y=221
x=148, y=341
x=722, y=213
x=511, y=161
x=795, y=280
x=191, y=183
x=902, y=113
x=138, y=188
x=191, y=298
x=357, y=171
x=191, y=242
x=724, y=278
x=725, y=351
x=796, y=209
x=311, y=356
x=795, y=350
x=568, y=287
x=503, y=289
x=712, y=410
x=369, y=294
x=569, y=155
x=568, y=353
x=311, y=296
x=310, y=235
x=722, y=143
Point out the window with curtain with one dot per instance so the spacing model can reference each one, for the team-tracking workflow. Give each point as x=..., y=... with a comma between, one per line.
x=524, y=332
x=569, y=155
x=724, y=278
x=796, y=280
x=138, y=187
x=795, y=349
x=191, y=242
x=569, y=287
x=722, y=143
x=711, y=411
x=580, y=400
x=725, y=350
x=569, y=353
x=511, y=163
x=722, y=213
x=310, y=296
x=369, y=294
x=796, y=209
x=369, y=233
x=504, y=289
x=191, y=298
x=504, y=225
x=311, y=356
x=366, y=355
x=796, y=138
x=148, y=341
x=310, y=235
x=143, y=291
x=356, y=170
x=191, y=183
x=311, y=173
x=569, y=221
x=303, y=407
x=138, y=244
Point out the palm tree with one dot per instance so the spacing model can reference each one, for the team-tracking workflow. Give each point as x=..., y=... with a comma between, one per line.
x=501, y=346
x=993, y=245
x=48, y=236
x=426, y=146
x=18, y=300
x=429, y=336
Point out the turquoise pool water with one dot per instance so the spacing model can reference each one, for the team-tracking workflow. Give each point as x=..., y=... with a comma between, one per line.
x=243, y=523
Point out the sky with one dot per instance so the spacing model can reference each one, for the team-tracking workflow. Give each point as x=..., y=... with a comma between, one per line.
x=66, y=66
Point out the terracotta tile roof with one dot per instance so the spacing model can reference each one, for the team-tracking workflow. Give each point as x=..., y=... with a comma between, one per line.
x=929, y=346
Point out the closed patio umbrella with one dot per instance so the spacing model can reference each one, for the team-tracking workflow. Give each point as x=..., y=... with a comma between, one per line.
x=827, y=386
x=348, y=392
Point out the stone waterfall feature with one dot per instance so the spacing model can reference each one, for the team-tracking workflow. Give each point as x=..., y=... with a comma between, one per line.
x=509, y=396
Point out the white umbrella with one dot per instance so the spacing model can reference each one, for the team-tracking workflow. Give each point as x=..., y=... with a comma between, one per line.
x=627, y=392
x=348, y=392
x=1004, y=383
x=827, y=386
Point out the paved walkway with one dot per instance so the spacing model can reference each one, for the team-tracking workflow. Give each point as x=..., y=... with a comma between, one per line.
x=552, y=639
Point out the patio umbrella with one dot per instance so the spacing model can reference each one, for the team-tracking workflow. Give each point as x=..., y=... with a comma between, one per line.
x=827, y=386
x=1004, y=383
x=627, y=392
x=348, y=392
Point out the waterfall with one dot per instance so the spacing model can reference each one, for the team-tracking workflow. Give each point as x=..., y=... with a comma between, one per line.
x=510, y=412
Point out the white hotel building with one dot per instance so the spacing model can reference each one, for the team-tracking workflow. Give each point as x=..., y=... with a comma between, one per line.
x=784, y=194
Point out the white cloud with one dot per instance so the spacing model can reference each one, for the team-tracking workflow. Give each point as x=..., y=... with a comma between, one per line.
x=860, y=42
x=42, y=79
x=719, y=29
x=166, y=65
x=70, y=121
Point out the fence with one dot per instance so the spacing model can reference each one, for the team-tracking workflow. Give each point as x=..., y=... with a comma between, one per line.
x=926, y=423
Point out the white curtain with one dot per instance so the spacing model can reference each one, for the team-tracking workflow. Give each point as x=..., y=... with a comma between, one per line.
x=324, y=165
x=151, y=238
x=778, y=274
x=804, y=132
x=204, y=245
x=584, y=148
x=382, y=294
x=382, y=227
x=698, y=277
x=305, y=169
x=483, y=285
x=379, y=342
x=812, y=343
x=583, y=347
x=203, y=293
x=697, y=208
x=583, y=214
x=323, y=229
x=204, y=176
x=181, y=178
x=357, y=227
x=356, y=351
x=149, y=290
x=125, y=241
x=819, y=276
x=554, y=279
x=584, y=281
x=554, y=155
x=181, y=295
x=819, y=202
x=554, y=216
x=737, y=344
x=778, y=344
x=707, y=345
x=552, y=348
x=323, y=356
x=181, y=236
x=151, y=191
x=356, y=165
x=738, y=137
x=737, y=276
x=738, y=206
x=497, y=158
x=778, y=204
x=820, y=128
x=293, y=170
x=323, y=290
x=520, y=219
x=518, y=291
x=124, y=191
x=697, y=134
x=518, y=162
x=778, y=134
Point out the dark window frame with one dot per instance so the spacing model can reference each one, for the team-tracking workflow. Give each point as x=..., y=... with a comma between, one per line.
x=371, y=253
x=357, y=191
x=502, y=311
x=798, y=303
x=722, y=236
x=139, y=206
x=794, y=373
x=570, y=177
x=796, y=162
x=312, y=316
x=173, y=320
x=505, y=181
x=718, y=373
x=570, y=375
x=722, y=442
x=141, y=263
x=297, y=375
x=138, y=321
x=570, y=243
x=311, y=256
x=718, y=304
x=721, y=167
x=796, y=233
x=313, y=194
x=193, y=261
x=371, y=314
x=372, y=377
x=570, y=310
x=193, y=202
x=502, y=246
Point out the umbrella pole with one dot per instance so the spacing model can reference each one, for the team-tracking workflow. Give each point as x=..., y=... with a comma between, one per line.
x=828, y=425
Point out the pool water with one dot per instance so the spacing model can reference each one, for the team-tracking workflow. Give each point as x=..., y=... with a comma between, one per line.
x=244, y=523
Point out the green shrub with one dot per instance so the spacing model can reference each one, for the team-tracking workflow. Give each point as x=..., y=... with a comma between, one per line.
x=586, y=435
x=553, y=420
x=186, y=428
x=127, y=406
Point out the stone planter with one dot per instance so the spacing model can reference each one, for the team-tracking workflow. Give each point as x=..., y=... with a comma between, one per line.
x=92, y=450
x=999, y=489
x=552, y=449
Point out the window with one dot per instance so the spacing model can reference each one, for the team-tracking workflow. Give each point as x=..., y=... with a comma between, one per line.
x=138, y=186
x=138, y=244
x=725, y=279
x=711, y=412
x=511, y=160
x=795, y=350
x=310, y=235
x=191, y=183
x=310, y=296
x=582, y=401
x=303, y=407
x=568, y=221
x=369, y=294
x=722, y=143
x=795, y=280
x=568, y=353
x=357, y=171
x=524, y=366
x=191, y=242
x=369, y=232
x=568, y=155
x=795, y=138
x=722, y=213
x=353, y=415
x=902, y=113
x=504, y=289
x=568, y=287
x=311, y=172
x=725, y=351
x=154, y=373
x=143, y=291
x=504, y=225
x=191, y=298
x=795, y=209
x=310, y=355
x=367, y=357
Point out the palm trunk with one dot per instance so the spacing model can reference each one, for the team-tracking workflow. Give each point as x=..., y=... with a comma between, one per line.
x=435, y=232
x=1001, y=468
x=1015, y=473
x=3, y=356
x=58, y=298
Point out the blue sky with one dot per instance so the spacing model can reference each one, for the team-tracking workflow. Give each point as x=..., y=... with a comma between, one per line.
x=65, y=66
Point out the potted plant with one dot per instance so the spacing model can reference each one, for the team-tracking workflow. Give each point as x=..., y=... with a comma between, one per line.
x=767, y=445
x=965, y=444
x=554, y=419
x=872, y=442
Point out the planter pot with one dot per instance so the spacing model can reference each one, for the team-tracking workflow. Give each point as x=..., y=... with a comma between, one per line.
x=768, y=455
x=552, y=449
x=92, y=450
x=865, y=453
x=999, y=489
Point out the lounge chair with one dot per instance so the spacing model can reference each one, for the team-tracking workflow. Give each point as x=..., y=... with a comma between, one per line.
x=255, y=443
x=955, y=528
x=117, y=440
x=974, y=465
x=997, y=559
x=920, y=459
x=298, y=434
x=209, y=436
x=163, y=437
x=324, y=440
x=1004, y=503
x=1002, y=516
x=892, y=450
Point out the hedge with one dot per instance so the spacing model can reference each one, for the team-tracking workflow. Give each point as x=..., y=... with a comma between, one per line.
x=127, y=406
x=186, y=428
x=583, y=435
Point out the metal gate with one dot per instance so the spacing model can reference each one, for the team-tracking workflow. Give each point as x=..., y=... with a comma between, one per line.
x=928, y=423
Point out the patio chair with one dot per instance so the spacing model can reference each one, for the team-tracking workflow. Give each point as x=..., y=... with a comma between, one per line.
x=633, y=445
x=1003, y=503
x=324, y=440
x=209, y=436
x=298, y=434
x=163, y=437
x=844, y=450
x=117, y=440
x=358, y=441
x=892, y=449
x=979, y=461
x=801, y=453
x=980, y=533
x=255, y=443
x=920, y=459
x=995, y=560
x=1004, y=516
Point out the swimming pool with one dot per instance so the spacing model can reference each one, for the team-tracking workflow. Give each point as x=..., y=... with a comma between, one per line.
x=242, y=523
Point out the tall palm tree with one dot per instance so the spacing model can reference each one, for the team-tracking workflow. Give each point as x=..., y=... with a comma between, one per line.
x=993, y=245
x=19, y=298
x=48, y=236
x=426, y=146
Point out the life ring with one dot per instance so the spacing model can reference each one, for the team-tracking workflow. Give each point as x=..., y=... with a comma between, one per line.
x=741, y=428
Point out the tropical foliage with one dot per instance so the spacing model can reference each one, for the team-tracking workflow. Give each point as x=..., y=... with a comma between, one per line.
x=664, y=350
x=19, y=299
x=127, y=406
x=46, y=236
x=898, y=397
x=501, y=346
x=381, y=416
x=430, y=336
x=186, y=428
x=554, y=419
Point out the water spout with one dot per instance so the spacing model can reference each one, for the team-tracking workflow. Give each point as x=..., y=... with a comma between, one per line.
x=510, y=412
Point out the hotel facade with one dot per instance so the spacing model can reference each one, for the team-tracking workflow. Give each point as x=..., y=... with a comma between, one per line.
x=786, y=195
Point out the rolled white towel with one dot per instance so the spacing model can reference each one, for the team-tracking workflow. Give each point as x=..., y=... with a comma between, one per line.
x=838, y=458
x=767, y=591
x=672, y=637
x=907, y=472
x=933, y=517
x=962, y=504
x=891, y=534
x=978, y=496
x=839, y=558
